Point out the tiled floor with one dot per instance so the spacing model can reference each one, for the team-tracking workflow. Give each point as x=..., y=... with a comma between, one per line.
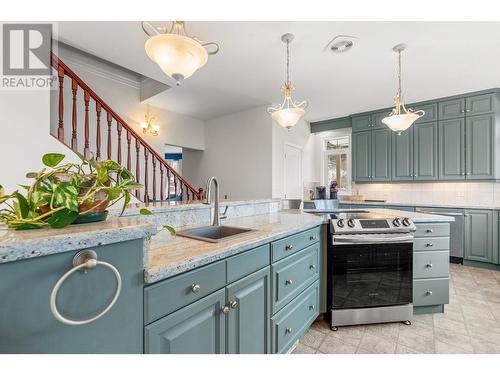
x=470, y=324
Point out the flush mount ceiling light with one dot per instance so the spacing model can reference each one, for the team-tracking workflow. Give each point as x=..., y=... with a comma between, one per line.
x=288, y=113
x=340, y=43
x=177, y=54
x=401, y=118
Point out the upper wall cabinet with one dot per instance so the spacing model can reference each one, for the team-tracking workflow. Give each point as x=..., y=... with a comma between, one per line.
x=377, y=117
x=369, y=121
x=480, y=104
x=360, y=123
x=452, y=149
x=402, y=155
x=381, y=154
x=425, y=151
x=480, y=147
x=451, y=108
x=430, y=109
x=361, y=151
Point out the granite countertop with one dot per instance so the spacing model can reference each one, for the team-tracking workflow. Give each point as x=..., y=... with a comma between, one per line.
x=425, y=204
x=17, y=245
x=168, y=256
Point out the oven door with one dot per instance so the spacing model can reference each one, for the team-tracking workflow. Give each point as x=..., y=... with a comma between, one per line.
x=370, y=274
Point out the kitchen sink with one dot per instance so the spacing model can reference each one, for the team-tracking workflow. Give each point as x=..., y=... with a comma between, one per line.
x=213, y=233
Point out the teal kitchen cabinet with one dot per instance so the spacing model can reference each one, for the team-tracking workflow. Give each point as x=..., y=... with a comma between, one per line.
x=481, y=235
x=425, y=151
x=199, y=328
x=381, y=154
x=361, y=151
x=248, y=324
x=361, y=123
x=452, y=108
x=28, y=326
x=452, y=149
x=430, y=109
x=377, y=117
x=480, y=147
x=402, y=155
x=481, y=104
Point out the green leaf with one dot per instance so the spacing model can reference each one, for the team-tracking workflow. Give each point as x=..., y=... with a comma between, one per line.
x=72, y=189
x=25, y=187
x=2, y=191
x=63, y=218
x=145, y=211
x=31, y=175
x=24, y=226
x=24, y=207
x=170, y=229
x=126, y=201
x=102, y=175
x=52, y=159
x=114, y=193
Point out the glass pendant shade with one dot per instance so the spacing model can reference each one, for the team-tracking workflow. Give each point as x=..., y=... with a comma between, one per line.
x=288, y=117
x=177, y=55
x=399, y=123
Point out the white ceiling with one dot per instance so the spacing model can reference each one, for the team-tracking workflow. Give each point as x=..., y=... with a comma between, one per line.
x=443, y=58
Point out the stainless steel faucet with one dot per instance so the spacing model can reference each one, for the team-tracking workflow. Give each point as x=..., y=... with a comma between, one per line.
x=216, y=219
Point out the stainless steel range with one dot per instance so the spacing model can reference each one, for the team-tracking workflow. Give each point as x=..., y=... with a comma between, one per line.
x=370, y=268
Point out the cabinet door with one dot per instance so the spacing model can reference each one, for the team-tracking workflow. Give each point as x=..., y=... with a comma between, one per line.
x=198, y=328
x=361, y=152
x=425, y=151
x=248, y=324
x=480, y=104
x=381, y=155
x=479, y=236
x=402, y=155
x=480, y=147
x=376, y=119
x=452, y=149
x=430, y=109
x=453, y=108
x=360, y=123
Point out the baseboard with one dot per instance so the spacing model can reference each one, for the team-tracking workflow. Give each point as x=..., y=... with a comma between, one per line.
x=435, y=309
x=488, y=266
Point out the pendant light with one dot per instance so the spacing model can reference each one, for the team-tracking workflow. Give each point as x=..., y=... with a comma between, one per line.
x=401, y=118
x=288, y=113
x=177, y=54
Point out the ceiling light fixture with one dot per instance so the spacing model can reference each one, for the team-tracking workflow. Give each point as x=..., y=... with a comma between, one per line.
x=177, y=54
x=401, y=118
x=288, y=113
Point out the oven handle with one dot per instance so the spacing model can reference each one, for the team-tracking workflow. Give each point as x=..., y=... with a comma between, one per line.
x=373, y=239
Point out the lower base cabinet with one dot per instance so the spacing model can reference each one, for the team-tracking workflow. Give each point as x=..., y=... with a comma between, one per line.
x=481, y=236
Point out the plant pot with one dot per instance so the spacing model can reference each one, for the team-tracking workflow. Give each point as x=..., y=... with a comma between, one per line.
x=91, y=218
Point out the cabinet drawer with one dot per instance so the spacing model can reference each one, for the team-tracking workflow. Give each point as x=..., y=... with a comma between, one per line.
x=360, y=123
x=376, y=119
x=431, y=264
x=433, y=230
x=431, y=112
x=431, y=243
x=451, y=109
x=293, y=321
x=241, y=265
x=430, y=292
x=293, y=274
x=480, y=104
x=292, y=244
x=167, y=296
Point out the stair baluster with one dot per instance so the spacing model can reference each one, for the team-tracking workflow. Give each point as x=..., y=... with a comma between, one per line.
x=98, y=131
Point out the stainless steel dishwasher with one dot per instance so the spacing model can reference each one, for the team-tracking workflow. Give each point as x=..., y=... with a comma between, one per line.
x=457, y=228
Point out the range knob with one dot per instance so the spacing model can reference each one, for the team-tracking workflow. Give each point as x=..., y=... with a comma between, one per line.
x=350, y=223
x=340, y=223
x=396, y=222
x=406, y=222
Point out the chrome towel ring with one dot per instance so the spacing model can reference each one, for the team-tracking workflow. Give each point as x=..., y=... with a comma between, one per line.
x=83, y=261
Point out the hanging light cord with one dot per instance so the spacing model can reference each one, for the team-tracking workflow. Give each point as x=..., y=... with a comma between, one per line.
x=399, y=72
x=287, y=61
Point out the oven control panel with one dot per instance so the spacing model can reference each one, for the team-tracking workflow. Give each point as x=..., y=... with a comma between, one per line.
x=368, y=225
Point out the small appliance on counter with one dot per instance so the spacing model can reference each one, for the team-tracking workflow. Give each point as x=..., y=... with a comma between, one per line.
x=320, y=192
x=333, y=189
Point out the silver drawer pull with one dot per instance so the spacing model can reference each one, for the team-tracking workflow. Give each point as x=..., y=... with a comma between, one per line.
x=289, y=282
x=84, y=261
x=288, y=331
x=429, y=265
x=225, y=310
x=312, y=267
x=233, y=304
x=312, y=307
x=312, y=238
x=429, y=245
x=288, y=247
x=429, y=231
x=195, y=288
x=428, y=293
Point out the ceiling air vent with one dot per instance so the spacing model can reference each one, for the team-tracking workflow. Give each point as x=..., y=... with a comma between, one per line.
x=340, y=43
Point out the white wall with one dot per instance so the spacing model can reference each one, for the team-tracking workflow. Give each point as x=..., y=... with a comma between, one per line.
x=238, y=151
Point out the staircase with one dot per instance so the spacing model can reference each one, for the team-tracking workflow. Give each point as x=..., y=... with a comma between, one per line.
x=107, y=136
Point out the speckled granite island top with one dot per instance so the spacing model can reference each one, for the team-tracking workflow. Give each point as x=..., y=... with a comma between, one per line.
x=17, y=245
x=168, y=256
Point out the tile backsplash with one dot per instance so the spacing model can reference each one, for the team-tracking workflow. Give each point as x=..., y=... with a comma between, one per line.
x=471, y=193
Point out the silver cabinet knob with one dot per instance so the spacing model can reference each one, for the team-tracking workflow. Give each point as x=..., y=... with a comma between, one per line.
x=312, y=307
x=195, y=288
x=233, y=304
x=429, y=265
x=429, y=244
x=312, y=267
x=288, y=331
x=288, y=247
x=289, y=282
x=467, y=174
x=312, y=238
x=429, y=230
x=467, y=110
x=225, y=310
x=429, y=293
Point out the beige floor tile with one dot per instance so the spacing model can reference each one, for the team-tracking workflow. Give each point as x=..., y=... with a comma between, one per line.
x=332, y=345
x=423, y=318
x=445, y=348
x=322, y=326
x=385, y=330
x=454, y=313
x=453, y=338
x=313, y=338
x=442, y=322
x=303, y=349
x=421, y=329
x=491, y=335
x=377, y=344
x=495, y=310
x=485, y=347
x=350, y=335
x=417, y=342
x=401, y=349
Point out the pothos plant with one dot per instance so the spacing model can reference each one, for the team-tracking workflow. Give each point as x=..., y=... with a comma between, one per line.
x=60, y=193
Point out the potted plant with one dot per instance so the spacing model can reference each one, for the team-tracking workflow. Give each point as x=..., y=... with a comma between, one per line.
x=63, y=194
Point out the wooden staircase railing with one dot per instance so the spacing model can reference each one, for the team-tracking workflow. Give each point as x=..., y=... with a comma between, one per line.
x=177, y=188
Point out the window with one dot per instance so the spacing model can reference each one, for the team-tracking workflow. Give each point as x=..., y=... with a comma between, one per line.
x=337, y=162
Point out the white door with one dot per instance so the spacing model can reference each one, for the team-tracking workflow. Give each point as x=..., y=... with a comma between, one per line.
x=293, y=172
